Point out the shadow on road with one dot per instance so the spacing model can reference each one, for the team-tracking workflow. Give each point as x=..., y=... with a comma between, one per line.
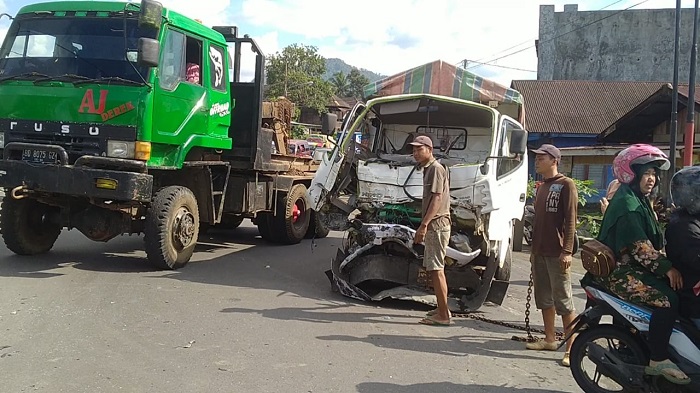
x=456, y=346
x=441, y=387
x=325, y=314
x=124, y=254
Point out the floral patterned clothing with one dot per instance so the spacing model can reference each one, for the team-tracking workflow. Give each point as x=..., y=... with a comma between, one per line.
x=631, y=231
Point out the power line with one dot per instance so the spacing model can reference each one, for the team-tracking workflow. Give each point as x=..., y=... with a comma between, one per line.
x=568, y=32
x=610, y=5
x=495, y=65
x=530, y=40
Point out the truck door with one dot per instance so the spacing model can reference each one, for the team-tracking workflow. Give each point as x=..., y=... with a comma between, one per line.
x=510, y=185
x=180, y=107
x=329, y=175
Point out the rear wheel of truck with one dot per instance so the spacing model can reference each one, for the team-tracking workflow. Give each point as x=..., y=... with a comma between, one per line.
x=265, y=223
x=293, y=216
x=172, y=226
x=316, y=228
x=29, y=227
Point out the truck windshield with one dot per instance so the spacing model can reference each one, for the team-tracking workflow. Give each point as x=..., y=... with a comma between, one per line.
x=87, y=47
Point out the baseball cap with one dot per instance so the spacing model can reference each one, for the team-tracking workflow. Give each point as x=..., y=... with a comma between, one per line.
x=422, y=140
x=548, y=149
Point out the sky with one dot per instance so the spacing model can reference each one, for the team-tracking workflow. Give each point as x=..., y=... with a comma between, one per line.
x=391, y=36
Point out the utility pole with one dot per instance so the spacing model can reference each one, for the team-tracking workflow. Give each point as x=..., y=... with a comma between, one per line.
x=674, y=101
x=690, y=125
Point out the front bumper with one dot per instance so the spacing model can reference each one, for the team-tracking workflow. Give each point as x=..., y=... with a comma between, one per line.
x=80, y=179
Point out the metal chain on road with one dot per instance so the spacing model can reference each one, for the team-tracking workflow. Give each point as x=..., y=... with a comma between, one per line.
x=526, y=328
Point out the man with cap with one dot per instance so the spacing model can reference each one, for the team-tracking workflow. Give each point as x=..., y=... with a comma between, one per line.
x=554, y=230
x=434, y=229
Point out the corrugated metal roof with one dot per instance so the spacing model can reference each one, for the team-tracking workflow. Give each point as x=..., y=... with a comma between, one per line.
x=683, y=90
x=579, y=107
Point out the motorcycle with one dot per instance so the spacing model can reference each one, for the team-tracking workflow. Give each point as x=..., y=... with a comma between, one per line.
x=611, y=357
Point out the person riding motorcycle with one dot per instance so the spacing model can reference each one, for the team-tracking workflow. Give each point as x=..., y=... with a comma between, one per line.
x=683, y=238
x=643, y=274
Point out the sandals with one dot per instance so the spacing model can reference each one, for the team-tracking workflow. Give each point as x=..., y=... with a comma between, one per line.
x=432, y=322
x=566, y=360
x=542, y=346
x=434, y=312
x=668, y=370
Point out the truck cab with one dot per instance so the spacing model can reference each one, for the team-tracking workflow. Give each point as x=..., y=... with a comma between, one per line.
x=373, y=190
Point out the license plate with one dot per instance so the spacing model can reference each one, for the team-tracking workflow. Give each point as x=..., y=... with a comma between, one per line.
x=39, y=156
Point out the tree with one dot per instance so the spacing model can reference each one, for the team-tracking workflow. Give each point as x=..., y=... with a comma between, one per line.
x=341, y=84
x=297, y=73
x=356, y=82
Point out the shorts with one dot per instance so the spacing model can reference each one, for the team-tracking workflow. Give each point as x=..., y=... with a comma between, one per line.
x=552, y=285
x=436, y=241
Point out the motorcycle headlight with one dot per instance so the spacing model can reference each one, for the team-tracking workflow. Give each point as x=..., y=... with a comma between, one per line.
x=120, y=149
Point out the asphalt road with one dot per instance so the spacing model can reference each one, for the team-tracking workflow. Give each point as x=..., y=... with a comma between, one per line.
x=243, y=316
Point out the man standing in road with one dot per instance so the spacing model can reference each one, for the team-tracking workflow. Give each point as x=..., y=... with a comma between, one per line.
x=435, y=226
x=552, y=246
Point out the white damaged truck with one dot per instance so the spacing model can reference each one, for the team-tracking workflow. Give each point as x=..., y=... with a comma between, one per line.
x=370, y=186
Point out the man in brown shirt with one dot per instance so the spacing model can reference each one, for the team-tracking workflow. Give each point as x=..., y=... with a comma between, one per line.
x=434, y=229
x=553, y=235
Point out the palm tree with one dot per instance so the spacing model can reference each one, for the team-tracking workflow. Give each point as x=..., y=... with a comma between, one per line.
x=341, y=83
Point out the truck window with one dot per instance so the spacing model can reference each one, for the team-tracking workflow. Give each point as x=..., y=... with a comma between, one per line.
x=93, y=47
x=193, y=58
x=172, y=63
x=506, y=165
x=217, y=67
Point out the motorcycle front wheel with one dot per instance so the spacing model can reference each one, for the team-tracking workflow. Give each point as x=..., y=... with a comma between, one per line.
x=527, y=233
x=592, y=378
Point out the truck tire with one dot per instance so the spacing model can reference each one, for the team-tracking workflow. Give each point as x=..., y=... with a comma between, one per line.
x=265, y=224
x=503, y=273
x=316, y=228
x=28, y=227
x=171, y=228
x=293, y=216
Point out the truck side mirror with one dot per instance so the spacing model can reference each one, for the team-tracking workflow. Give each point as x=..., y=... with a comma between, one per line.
x=329, y=122
x=518, y=142
x=151, y=15
x=148, y=52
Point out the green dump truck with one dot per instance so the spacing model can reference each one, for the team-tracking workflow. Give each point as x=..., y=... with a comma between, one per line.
x=122, y=118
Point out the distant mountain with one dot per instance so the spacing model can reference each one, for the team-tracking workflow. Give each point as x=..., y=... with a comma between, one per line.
x=336, y=65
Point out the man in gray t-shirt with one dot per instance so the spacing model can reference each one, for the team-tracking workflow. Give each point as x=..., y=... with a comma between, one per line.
x=434, y=229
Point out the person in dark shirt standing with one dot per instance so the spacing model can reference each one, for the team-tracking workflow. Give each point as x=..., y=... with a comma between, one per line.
x=435, y=226
x=553, y=237
x=683, y=239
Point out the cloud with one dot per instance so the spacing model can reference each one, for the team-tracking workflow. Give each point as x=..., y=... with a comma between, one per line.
x=390, y=36
x=210, y=12
x=393, y=35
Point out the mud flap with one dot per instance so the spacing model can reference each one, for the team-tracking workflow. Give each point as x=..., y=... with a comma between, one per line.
x=497, y=292
x=475, y=300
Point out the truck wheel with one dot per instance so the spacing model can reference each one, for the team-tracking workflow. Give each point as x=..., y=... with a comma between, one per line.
x=503, y=273
x=293, y=216
x=265, y=224
x=172, y=226
x=28, y=227
x=316, y=228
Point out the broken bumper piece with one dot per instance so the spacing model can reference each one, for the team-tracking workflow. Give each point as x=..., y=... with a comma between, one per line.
x=380, y=262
